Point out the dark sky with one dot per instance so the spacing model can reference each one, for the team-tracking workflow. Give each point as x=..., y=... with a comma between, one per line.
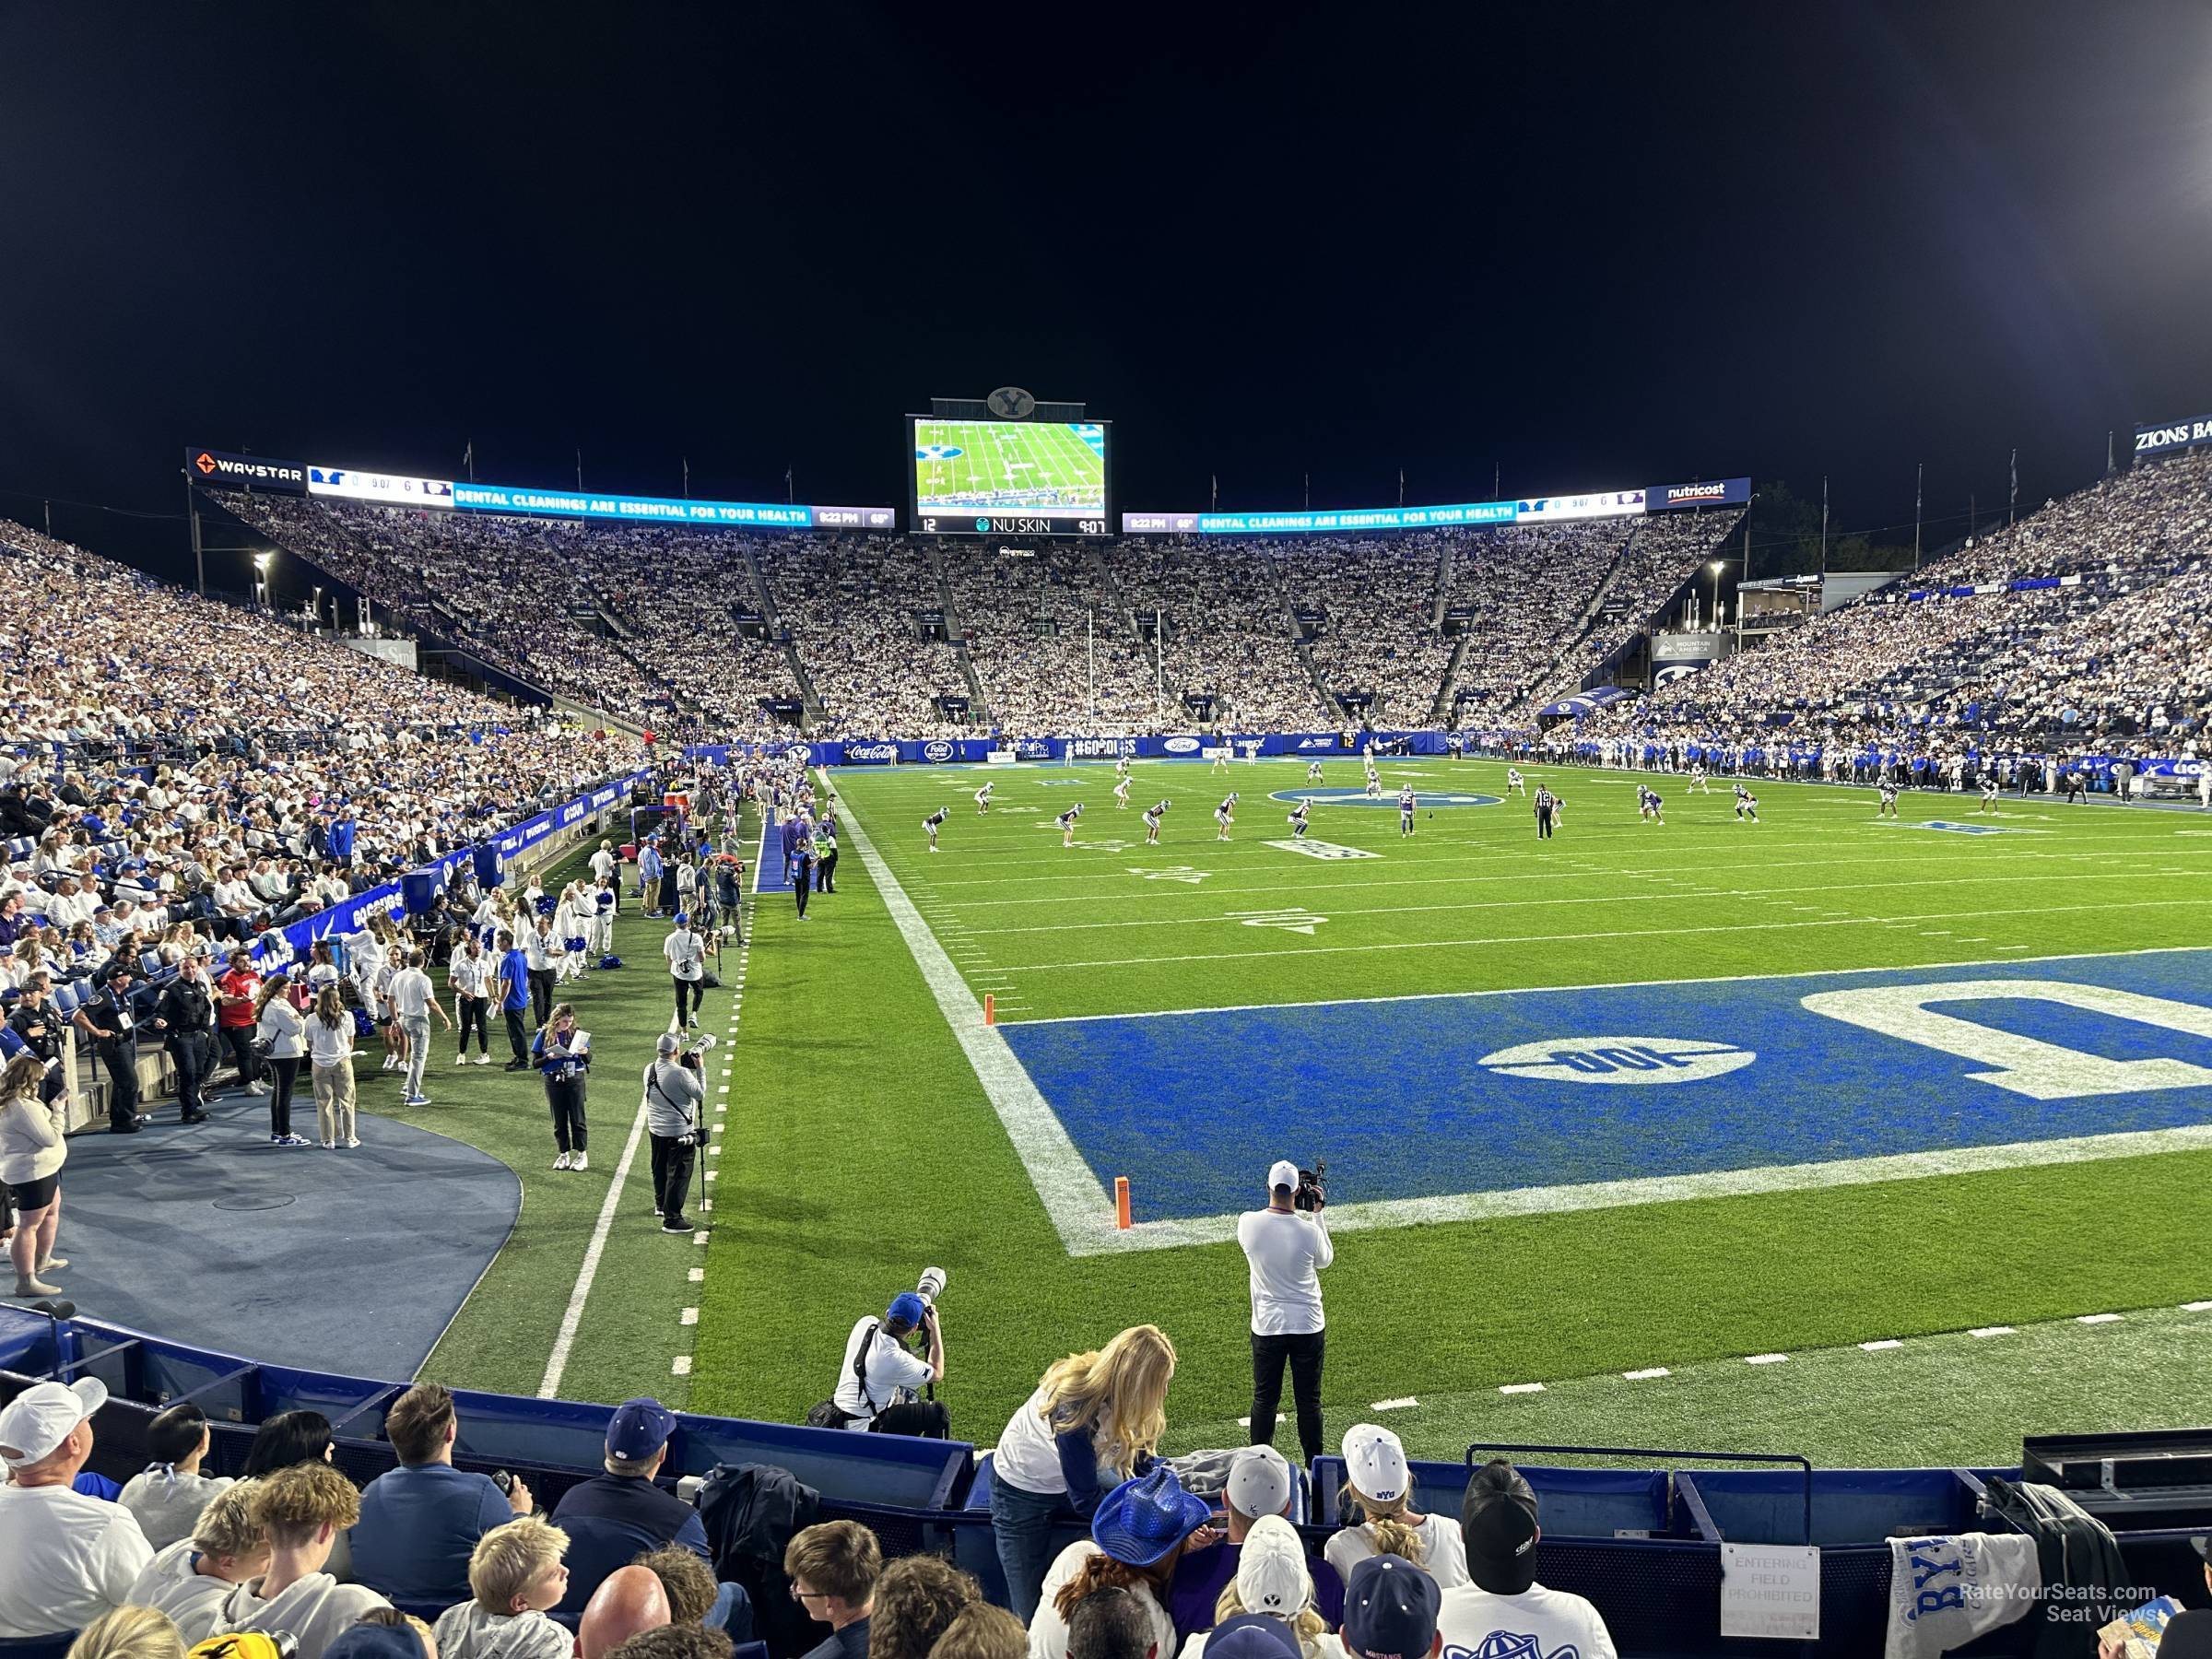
x=1597, y=246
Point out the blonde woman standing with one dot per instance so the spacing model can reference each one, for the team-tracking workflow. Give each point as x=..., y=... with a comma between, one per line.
x=32, y=1148
x=1379, y=1490
x=281, y=1030
x=1090, y=1424
x=330, y=1048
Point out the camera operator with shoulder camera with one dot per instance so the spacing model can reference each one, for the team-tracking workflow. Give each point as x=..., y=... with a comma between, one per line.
x=676, y=1091
x=1287, y=1246
x=876, y=1391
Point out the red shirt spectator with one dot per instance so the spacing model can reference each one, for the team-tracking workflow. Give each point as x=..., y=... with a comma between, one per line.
x=236, y=992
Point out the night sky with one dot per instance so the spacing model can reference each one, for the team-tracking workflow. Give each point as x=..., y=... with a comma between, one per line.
x=1591, y=246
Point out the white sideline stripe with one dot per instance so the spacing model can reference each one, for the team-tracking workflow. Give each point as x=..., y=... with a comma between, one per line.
x=557, y=1361
x=1646, y=1376
x=1402, y=1405
x=2097, y=1318
x=1620, y=933
x=1074, y=1199
x=1886, y=1341
x=697, y=1275
x=1709, y=979
x=1992, y=1331
x=682, y=1366
x=1670, y=1189
x=2197, y=1307
x=1764, y=1359
x=688, y=1316
x=1521, y=1388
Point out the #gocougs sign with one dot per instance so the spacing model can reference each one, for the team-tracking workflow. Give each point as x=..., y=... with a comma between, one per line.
x=224, y=469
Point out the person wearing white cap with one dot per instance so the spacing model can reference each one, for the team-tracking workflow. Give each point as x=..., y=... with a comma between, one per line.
x=1285, y=1248
x=1272, y=1582
x=65, y=1558
x=1260, y=1484
x=1378, y=1489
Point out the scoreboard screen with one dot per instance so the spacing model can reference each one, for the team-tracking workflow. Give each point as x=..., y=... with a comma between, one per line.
x=1008, y=477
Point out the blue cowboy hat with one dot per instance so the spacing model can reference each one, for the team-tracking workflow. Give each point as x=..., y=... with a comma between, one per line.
x=1141, y=1521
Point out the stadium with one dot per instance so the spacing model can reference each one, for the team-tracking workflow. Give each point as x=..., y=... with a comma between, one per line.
x=552, y=1004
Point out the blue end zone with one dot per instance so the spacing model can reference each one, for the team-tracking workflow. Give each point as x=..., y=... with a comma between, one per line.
x=1689, y=1079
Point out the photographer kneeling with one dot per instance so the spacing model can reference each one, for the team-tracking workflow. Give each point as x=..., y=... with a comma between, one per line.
x=876, y=1391
x=674, y=1090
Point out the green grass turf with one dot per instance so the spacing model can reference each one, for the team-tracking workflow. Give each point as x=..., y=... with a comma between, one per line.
x=862, y=1147
x=631, y=1332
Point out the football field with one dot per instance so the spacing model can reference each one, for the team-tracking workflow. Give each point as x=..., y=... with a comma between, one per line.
x=1001, y=466
x=1612, y=1113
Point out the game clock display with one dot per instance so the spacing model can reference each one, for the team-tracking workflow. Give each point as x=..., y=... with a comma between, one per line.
x=1008, y=477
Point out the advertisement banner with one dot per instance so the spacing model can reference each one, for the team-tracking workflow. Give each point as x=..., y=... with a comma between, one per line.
x=1711, y=492
x=2172, y=435
x=385, y=490
x=1553, y=510
x=517, y=502
x=255, y=472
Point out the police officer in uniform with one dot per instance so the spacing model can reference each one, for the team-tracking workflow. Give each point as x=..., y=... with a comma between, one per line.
x=185, y=1017
x=107, y=1019
x=802, y=863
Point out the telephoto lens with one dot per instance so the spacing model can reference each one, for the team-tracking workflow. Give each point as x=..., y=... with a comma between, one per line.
x=931, y=1285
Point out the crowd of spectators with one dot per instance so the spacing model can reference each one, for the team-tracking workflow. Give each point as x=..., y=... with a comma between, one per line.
x=430, y=1561
x=2110, y=648
x=692, y=630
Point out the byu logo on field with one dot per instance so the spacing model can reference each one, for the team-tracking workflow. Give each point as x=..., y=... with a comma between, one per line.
x=1619, y=1059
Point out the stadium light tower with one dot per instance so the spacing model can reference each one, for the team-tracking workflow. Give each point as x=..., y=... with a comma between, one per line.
x=260, y=577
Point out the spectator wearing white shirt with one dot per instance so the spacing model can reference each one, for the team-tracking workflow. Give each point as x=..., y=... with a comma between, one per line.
x=190, y=1579
x=470, y=972
x=168, y=1495
x=303, y=1508
x=330, y=1052
x=281, y=1030
x=686, y=954
x=65, y=1558
x=414, y=1000
x=1382, y=1492
x=1285, y=1248
x=1498, y=1518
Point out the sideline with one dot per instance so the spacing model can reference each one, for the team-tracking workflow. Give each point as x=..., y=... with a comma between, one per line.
x=1074, y=1198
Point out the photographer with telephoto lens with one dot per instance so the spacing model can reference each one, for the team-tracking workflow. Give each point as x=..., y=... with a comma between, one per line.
x=877, y=1389
x=1286, y=1246
x=675, y=1091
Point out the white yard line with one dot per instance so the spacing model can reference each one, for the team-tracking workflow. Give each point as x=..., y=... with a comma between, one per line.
x=1704, y=978
x=557, y=1361
x=1625, y=932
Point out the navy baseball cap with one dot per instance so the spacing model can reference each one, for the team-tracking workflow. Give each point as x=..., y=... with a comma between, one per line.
x=1254, y=1636
x=1390, y=1609
x=375, y=1642
x=639, y=1429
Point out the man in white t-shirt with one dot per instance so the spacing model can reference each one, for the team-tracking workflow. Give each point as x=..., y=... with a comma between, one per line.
x=686, y=954
x=1285, y=1248
x=1505, y=1607
x=65, y=1558
x=603, y=861
x=877, y=1386
x=414, y=1000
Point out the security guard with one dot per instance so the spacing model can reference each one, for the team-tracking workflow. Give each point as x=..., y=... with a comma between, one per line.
x=108, y=1020
x=825, y=853
x=185, y=1017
